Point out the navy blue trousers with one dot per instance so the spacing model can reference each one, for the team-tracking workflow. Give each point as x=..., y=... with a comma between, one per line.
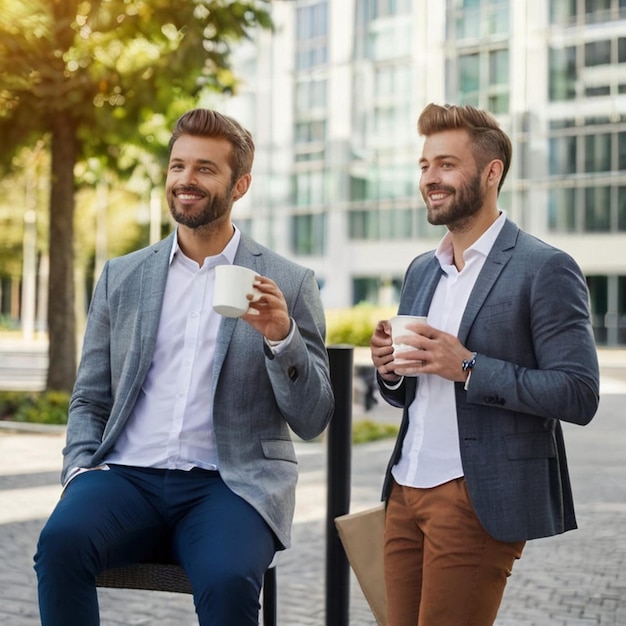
x=110, y=518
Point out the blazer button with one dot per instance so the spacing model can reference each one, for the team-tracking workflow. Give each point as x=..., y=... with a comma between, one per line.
x=292, y=372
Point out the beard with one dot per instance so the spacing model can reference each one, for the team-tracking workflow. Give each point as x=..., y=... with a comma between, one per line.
x=212, y=209
x=465, y=202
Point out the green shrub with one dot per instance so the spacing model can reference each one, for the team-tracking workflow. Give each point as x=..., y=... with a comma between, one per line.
x=10, y=402
x=354, y=326
x=368, y=430
x=48, y=407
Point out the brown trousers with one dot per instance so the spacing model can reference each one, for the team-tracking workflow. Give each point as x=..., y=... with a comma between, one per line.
x=441, y=567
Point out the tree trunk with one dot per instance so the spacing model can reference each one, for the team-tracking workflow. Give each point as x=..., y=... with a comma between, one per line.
x=61, y=315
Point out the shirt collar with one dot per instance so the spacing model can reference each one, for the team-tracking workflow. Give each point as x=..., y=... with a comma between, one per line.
x=482, y=246
x=228, y=253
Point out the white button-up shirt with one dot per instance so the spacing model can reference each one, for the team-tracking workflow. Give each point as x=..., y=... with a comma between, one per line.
x=171, y=425
x=430, y=450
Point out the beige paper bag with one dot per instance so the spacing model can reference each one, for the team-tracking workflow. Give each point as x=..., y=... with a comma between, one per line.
x=361, y=535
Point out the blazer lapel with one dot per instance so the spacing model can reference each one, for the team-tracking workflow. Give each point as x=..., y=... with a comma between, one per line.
x=419, y=287
x=494, y=264
x=152, y=282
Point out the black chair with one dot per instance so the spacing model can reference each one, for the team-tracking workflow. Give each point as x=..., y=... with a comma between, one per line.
x=172, y=577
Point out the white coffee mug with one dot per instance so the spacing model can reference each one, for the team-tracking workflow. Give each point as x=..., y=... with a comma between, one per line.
x=398, y=328
x=233, y=283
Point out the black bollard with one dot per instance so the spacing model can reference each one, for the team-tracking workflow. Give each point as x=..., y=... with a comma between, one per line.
x=339, y=472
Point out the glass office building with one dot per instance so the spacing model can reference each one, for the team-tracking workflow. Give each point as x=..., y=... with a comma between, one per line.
x=332, y=97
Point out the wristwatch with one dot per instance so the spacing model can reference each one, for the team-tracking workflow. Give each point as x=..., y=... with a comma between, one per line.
x=467, y=365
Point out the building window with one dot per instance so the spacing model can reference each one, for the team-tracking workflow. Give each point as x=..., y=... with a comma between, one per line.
x=478, y=64
x=308, y=234
x=562, y=155
x=621, y=208
x=582, y=199
x=597, y=153
x=562, y=73
x=607, y=294
x=391, y=41
x=597, y=210
x=469, y=79
x=480, y=19
x=310, y=188
x=562, y=210
x=563, y=12
x=621, y=151
x=483, y=79
x=590, y=69
x=581, y=12
x=363, y=224
x=621, y=50
x=365, y=290
x=310, y=96
x=369, y=10
x=590, y=209
x=311, y=35
x=597, y=11
x=397, y=224
x=310, y=132
x=597, y=53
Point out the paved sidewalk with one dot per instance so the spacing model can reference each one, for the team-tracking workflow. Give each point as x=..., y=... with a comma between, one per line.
x=575, y=579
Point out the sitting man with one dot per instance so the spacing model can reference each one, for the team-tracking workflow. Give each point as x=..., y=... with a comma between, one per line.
x=179, y=423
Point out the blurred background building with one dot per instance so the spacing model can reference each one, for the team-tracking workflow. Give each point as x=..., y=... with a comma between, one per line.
x=332, y=97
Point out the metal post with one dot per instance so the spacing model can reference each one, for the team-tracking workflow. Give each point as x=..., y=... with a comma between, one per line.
x=339, y=442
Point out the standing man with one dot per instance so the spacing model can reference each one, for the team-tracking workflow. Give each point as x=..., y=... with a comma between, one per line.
x=179, y=423
x=507, y=353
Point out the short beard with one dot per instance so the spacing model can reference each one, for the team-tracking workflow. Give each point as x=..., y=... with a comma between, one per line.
x=215, y=209
x=466, y=202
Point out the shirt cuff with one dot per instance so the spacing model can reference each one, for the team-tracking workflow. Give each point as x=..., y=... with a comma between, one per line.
x=278, y=346
x=394, y=386
x=466, y=385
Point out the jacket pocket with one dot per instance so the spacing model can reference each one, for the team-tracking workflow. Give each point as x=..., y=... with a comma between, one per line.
x=530, y=446
x=279, y=449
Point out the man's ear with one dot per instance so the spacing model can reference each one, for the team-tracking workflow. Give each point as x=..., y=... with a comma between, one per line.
x=241, y=187
x=494, y=171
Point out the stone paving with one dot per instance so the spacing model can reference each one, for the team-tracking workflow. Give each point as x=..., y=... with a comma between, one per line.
x=577, y=579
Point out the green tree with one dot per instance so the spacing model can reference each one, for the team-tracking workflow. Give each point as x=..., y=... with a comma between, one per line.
x=89, y=75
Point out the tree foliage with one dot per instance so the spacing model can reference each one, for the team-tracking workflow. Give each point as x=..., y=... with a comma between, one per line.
x=92, y=76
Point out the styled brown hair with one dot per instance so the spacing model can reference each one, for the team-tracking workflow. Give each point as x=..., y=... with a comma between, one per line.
x=488, y=140
x=209, y=123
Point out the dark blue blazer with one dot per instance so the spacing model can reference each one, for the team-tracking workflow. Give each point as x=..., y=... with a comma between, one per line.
x=528, y=320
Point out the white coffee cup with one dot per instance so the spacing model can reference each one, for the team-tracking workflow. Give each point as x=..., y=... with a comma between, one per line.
x=233, y=283
x=399, y=328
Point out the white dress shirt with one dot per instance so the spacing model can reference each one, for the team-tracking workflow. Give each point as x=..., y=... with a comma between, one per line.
x=430, y=450
x=171, y=425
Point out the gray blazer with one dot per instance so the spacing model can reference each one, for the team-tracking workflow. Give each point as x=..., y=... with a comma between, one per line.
x=258, y=397
x=528, y=319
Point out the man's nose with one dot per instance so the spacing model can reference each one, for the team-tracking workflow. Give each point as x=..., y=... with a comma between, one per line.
x=187, y=177
x=430, y=176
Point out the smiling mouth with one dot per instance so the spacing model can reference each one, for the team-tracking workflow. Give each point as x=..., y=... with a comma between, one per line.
x=188, y=196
